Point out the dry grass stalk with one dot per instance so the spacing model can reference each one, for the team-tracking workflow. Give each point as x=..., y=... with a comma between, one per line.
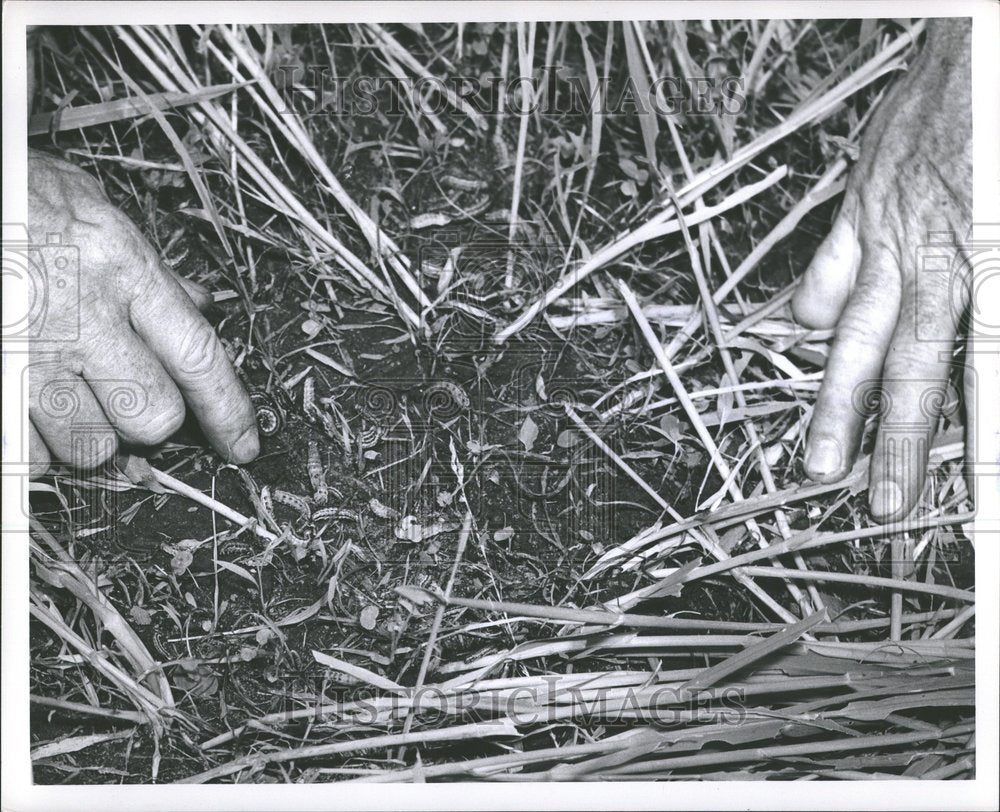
x=659, y=225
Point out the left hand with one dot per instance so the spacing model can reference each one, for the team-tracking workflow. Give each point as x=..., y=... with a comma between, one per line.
x=124, y=347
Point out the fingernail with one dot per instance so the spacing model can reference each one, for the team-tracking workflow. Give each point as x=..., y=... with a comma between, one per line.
x=823, y=456
x=886, y=498
x=246, y=448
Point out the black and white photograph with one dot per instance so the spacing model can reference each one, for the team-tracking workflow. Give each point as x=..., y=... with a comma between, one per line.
x=476, y=397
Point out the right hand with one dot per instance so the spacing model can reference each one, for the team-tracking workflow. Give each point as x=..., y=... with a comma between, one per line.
x=122, y=343
x=895, y=323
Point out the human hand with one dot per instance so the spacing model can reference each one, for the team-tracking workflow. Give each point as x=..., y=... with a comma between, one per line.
x=121, y=319
x=913, y=176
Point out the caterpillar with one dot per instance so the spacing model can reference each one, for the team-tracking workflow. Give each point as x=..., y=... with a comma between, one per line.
x=335, y=513
x=309, y=396
x=292, y=501
x=238, y=549
x=429, y=219
x=175, y=261
x=440, y=218
x=261, y=502
x=317, y=476
x=464, y=184
x=266, y=502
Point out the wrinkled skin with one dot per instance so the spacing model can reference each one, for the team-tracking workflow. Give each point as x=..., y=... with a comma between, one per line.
x=895, y=323
x=123, y=347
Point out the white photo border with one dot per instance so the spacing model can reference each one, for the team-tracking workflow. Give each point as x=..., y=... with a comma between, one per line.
x=20, y=794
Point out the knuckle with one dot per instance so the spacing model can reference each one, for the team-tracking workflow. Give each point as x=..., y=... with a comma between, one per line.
x=84, y=186
x=93, y=301
x=936, y=314
x=199, y=350
x=166, y=417
x=140, y=276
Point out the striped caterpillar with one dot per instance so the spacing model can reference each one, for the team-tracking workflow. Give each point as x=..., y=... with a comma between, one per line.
x=309, y=396
x=292, y=501
x=317, y=476
x=335, y=513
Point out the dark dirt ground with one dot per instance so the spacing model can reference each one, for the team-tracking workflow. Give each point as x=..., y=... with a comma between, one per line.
x=410, y=411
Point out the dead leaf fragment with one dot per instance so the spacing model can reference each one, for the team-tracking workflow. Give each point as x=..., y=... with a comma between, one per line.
x=368, y=617
x=528, y=433
x=181, y=561
x=140, y=616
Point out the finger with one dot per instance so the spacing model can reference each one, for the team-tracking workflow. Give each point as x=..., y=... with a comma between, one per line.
x=911, y=407
x=170, y=324
x=198, y=293
x=915, y=390
x=134, y=390
x=823, y=291
x=859, y=348
x=39, y=459
x=71, y=421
